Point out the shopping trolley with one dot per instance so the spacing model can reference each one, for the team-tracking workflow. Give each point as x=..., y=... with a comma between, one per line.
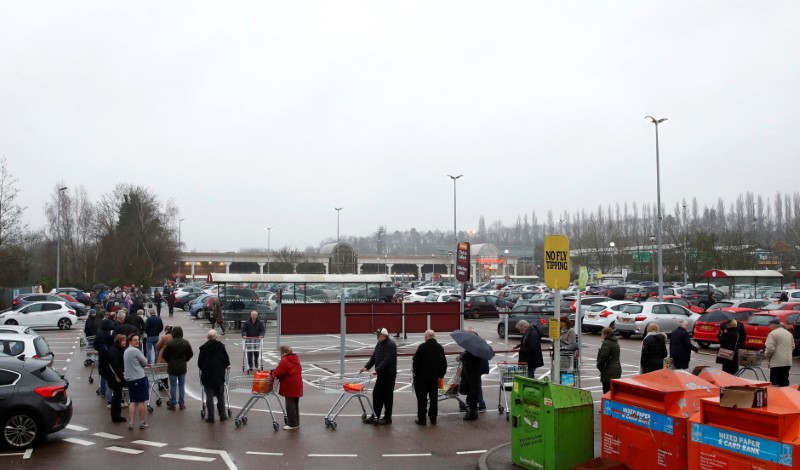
x=506, y=372
x=752, y=361
x=91, y=355
x=157, y=375
x=448, y=386
x=226, y=392
x=350, y=386
x=252, y=345
x=569, y=366
x=260, y=386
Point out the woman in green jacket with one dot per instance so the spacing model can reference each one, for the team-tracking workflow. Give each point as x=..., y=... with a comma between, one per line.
x=608, y=359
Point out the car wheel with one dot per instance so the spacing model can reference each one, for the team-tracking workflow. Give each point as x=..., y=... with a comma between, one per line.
x=476, y=314
x=64, y=324
x=20, y=430
x=626, y=334
x=11, y=322
x=704, y=344
x=501, y=331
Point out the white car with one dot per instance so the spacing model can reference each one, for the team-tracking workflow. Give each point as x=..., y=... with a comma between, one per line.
x=41, y=315
x=184, y=291
x=267, y=298
x=25, y=345
x=633, y=319
x=418, y=295
x=442, y=297
x=602, y=314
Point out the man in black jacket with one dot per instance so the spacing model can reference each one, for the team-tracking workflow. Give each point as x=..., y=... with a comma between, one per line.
x=530, y=348
x=680, y=346
x=384, y=358
x=253, y=332
x=116, y=376
x=429, y=365
x=213, y=361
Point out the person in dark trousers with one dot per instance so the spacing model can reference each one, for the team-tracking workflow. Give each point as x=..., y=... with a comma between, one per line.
x=116, y=376
x=680, y=346
x=213, y=361
x=216, y=315
x=471, y=380
x=90, y=328
x=152, y=328
x=252, y=333
x=530, y=348
x=654, y=349
x=730, y=338
x=158, y=299
x=710, y=300
x=177, y=353
x=290, y=376
x=608, y=359
x=384, y=358
x=171, y=301
x=103, y=342
x=428, y=365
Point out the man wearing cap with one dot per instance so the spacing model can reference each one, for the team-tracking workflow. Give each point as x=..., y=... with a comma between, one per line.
x=778, y=351
x=384, y=358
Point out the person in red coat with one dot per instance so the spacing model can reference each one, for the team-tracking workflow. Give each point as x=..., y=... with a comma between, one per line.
x=290, y=375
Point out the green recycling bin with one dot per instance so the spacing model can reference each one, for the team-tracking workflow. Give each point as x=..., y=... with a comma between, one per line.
x=552, y=426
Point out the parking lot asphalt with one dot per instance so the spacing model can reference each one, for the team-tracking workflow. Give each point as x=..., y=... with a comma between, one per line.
x=182, y=440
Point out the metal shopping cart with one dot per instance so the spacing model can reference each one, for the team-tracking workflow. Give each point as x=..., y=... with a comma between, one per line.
x=157, y=375
x=448, y=386
x=752, y=361
x=350, y=386
x=260, y=386
x=227, y=386
x=570, y=366
x=91, y=355
x=252, y=345
x=506, y=372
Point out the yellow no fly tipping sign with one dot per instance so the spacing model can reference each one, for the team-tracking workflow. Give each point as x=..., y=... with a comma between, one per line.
x=556, y=261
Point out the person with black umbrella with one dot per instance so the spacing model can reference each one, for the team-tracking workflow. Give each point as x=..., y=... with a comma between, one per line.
x=476, y=350
x=384, y=358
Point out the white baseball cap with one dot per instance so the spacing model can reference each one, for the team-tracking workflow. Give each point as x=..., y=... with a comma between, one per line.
x=382, y=331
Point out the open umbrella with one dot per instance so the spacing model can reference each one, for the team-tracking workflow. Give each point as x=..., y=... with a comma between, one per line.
x=473, y=343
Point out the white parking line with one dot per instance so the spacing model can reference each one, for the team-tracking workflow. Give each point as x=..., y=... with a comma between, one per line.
x=125, y=450
x=406, y=455
x=333, y=455
x=467, y=452
x=27, y=454
x=75, y=427
x=79, y=441
x=150, y=443
x=276, y=454
x=194, y=458
x=107, y=435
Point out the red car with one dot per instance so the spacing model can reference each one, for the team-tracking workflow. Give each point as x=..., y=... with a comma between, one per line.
x=757, y=327
x=678, y=300
x=707, y=326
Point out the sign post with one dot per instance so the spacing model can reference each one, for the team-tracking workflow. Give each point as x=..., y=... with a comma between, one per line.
x=556, y=277
x=462, y=274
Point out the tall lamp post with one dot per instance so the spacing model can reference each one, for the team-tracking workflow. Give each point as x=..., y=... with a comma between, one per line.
x=455, y=232
x=652, y=240
x=685, y=235
x=58, y=236
x=611, y=245
x=338, y=209
x=269, y=236
x=433, y=268
x=656, y=122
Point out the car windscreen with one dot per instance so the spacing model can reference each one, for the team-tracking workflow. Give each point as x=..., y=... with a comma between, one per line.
x=47, y=374
x=760, y=320
x=715, y=316
x=632, y=309
x=771, y=307
x=595, y=308
x=41, y=346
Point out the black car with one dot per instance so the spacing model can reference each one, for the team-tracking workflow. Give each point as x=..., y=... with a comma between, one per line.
x=483, y=304
x=531, y=313
x=187, y=299
x=700, y=294
x=615, y=292
x=33, y=401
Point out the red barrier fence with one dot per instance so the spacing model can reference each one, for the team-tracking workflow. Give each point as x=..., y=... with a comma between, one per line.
x=364, y=318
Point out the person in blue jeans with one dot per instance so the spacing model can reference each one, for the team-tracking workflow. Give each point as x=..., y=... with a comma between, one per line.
x=177, y=353
x=153, y=327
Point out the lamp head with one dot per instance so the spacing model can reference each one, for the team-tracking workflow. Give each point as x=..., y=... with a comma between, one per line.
x=654, y=120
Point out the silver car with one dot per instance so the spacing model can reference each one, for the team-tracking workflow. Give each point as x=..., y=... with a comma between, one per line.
x=633, y=319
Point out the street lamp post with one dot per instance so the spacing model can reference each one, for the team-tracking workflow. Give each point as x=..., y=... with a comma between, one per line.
x=652, y=271
x=685, y=235
x=338, y=209
x=433, y=268
x=656, y=122
x=611, y=245
x=58, y=236
x=505, y=263
x=269, y=236
x=455, y=232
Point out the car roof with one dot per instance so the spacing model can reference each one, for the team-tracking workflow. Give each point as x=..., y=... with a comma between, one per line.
x=63, y=304
x=18, y=335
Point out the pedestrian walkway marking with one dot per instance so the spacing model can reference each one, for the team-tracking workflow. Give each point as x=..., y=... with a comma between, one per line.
x=223, y=455
x=79, y=441
x=107, y=435
x=27, y=454
x=467, y=452
x=195, y=458
x=276, y=454
x=333, y=455
x=406, y=455
x=125, y=450
x=75, y=427
x=150, y=443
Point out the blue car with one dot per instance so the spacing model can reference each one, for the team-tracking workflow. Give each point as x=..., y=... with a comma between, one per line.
x=196, y=305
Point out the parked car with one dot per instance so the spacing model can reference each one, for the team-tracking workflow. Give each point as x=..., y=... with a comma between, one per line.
x=184, y=301
x=632, y=293
x=418, y=295
x=615, y=292
x=633, y=319
x=586, y=301
x=198, y=305
x=781, y=306
x=24, y=299
x=34, y=401
x=602, y=314
x=700, y=294
x=41, y=315
x=78, y=294
x=738, y=303
x=182, y=292
x=440, y=297
x=678, y=301
x=24, y=343
x=530, y=313
x=478, y=305
x=757, y=326
x=706, y=327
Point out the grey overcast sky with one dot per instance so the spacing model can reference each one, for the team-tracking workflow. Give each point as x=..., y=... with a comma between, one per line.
x=270, y=113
